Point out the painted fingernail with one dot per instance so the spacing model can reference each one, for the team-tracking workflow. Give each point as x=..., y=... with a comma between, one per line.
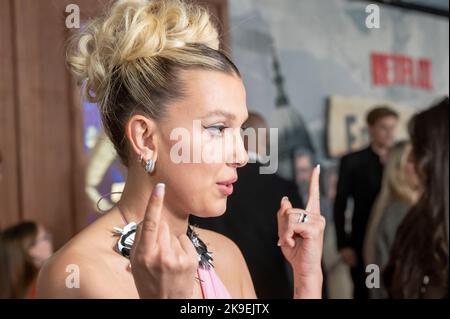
x=284, y=198
x=279, y=244
x=159, y=189
x=318, y=168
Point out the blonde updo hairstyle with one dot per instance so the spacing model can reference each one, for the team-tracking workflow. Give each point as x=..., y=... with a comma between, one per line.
x=129, y=61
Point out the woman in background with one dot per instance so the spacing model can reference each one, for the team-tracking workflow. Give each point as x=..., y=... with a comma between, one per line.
x=399, y=191
x=23, y=250
x=418, y=265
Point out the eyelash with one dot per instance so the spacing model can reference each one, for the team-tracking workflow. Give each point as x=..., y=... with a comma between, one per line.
x=220, y=128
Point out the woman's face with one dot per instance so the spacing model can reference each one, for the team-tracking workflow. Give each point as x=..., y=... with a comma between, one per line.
x=409, y=169
x=42, y=248
x=200, y=145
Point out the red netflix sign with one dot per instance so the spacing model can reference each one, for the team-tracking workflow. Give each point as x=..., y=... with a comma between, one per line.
x=402, y=70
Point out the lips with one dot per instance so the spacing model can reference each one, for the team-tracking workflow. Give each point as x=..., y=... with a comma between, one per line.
x=226, y=187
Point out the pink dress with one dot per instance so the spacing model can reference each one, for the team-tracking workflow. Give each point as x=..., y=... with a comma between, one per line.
x=212, y=286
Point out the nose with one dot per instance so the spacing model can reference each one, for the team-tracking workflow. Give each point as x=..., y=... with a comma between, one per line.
x=242, y=160
x=240, y=155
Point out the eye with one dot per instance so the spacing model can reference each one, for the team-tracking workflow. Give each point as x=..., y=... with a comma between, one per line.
x=216, y=130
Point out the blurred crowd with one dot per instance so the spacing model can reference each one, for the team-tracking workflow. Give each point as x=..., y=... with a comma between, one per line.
x=388, y=207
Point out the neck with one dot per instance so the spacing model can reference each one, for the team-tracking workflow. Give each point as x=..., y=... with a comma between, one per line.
x=380, y=150
x=135, y=197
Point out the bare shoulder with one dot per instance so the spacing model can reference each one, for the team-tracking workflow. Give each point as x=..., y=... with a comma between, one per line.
x=219, y=243
x=65, y=273
x=226, y=253
x=229, y=263
x=80, y=269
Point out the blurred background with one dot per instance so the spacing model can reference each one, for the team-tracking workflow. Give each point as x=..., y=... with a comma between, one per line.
x=312, y=68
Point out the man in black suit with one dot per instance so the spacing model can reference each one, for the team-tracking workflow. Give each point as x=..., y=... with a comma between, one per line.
x=251, y=220
x=360, y=175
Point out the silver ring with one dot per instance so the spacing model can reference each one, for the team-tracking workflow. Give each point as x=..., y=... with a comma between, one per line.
x=302, y=218
x=305, y=218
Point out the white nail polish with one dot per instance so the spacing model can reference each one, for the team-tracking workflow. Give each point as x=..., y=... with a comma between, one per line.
x=159, y=189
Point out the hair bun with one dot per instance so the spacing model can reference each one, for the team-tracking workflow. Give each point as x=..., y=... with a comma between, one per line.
x=134, y=29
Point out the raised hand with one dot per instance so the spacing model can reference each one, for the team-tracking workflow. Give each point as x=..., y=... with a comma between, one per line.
x=301, y=239
x=163, y=265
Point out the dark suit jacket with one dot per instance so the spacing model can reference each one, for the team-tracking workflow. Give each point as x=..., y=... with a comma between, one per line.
x=251, y=222
x=360, y=176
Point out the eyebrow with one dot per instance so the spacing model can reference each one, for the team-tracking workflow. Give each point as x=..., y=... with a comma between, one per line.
x=229, y=116
x=218, y=113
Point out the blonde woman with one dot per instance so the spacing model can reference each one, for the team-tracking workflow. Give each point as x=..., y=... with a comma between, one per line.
x=399, y=191
x=153, y=67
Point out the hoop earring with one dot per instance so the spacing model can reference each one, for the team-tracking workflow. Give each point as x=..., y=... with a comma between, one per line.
x=149, y=166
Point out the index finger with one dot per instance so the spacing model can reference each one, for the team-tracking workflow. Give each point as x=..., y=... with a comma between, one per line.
x=313, y=205
x=152, y=217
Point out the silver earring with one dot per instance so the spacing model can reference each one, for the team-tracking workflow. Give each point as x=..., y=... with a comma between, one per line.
x=150, y=166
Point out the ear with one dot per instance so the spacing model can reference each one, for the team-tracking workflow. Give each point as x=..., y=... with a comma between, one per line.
x=141, y=134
